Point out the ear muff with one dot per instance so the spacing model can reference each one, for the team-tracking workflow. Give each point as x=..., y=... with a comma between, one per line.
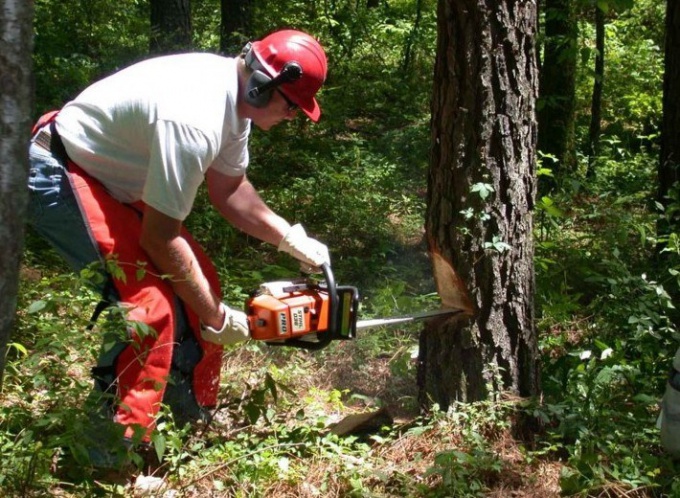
x=256, y=81
x=260, y=85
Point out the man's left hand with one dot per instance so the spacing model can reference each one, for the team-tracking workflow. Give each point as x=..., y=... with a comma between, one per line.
x=310, y=252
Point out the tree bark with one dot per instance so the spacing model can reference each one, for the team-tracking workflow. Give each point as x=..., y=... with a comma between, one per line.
x=558, y=87
x=669, y=163
x=481, y=191
x=235, y=25
x=598, y=86
x=16, y=92
x=170, y=26
x=406, y=64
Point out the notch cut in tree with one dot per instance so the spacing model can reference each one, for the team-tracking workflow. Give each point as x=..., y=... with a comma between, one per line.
x=450, y=286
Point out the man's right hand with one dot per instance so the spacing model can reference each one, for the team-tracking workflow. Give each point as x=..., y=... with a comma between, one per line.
x=234, y=328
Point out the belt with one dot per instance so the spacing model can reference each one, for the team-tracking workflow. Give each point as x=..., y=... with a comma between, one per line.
x=48, y=138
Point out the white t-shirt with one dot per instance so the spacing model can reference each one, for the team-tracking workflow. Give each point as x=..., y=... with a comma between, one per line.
x=152, y=130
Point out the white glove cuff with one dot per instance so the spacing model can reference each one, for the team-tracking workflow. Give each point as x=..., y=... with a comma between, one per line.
x=211, y=330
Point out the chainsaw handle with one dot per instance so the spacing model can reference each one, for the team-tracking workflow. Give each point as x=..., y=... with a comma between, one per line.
x=332, y=298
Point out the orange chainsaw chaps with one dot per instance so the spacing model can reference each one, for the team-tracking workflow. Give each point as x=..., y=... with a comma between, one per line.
x=142, y=369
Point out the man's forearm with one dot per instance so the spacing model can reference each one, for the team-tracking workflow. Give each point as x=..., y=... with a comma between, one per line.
x=174, y=257
x=243, y=207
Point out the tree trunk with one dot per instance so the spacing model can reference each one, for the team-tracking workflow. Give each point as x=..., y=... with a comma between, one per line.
x=413, y=35
x=235, y=26
x=481, y=191
x=558, y=87
x=596, y=104
x=669, y=163
x=16, y=92
x=170, y=26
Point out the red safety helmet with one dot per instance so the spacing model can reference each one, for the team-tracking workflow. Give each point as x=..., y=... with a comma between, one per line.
x=286, y=46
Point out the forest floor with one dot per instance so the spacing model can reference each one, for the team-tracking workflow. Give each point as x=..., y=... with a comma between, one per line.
x=373, y=387
x=372, y=380
x=483, y=449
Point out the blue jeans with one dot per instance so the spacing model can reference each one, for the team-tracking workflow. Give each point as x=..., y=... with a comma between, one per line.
x=53, y=210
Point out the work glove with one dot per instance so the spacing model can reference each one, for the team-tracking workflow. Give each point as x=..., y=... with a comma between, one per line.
x=234, y=329
x=310, y=252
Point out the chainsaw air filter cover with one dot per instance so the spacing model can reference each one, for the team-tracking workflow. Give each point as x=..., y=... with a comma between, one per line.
x=284, y=310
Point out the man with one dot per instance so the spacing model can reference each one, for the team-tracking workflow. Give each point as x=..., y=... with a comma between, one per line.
x=114, y=174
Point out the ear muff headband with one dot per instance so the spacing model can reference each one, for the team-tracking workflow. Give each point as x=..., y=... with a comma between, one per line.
x=260, y=85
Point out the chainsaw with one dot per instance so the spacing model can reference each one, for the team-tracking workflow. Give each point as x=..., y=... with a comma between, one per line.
x=310, y=315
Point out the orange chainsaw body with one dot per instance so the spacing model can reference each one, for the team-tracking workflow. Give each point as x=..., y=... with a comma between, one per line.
x=303, y=313
x=286, y=310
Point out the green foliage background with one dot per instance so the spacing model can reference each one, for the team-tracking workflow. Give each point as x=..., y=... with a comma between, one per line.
x=357, y=180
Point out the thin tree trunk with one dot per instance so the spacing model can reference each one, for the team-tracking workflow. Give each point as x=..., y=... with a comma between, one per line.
x=16, y=92
x=406, y=64
x=596, y=103
x=235, y=26
x=558, y=88
x=481, y=194
x=669, y=162
x=170, y=26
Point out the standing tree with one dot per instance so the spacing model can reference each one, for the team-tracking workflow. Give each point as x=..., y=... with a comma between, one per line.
x=669, y=164
x=593, y=146
x=235, y=25
x=412, y=37
x=170, y=26
x=601, y=9
x=16, y=47
x=480, y=197
x=556, y=107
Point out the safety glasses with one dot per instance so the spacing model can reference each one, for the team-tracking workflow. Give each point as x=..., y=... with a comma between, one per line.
x=292, y=106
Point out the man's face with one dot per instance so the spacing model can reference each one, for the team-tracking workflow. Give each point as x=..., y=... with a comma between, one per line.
x=278, y=109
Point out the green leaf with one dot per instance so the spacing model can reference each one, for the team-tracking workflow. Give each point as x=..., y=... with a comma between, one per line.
x=158, y=441
x=548, y=205
x=36, y=306
x=270, y=385
x=601, y=345
x=603, y=5
x=252, y=412
x=483, y=189
x=19, y=347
